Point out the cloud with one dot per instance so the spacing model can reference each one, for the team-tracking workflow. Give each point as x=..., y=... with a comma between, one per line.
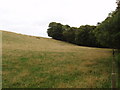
x=33, y=16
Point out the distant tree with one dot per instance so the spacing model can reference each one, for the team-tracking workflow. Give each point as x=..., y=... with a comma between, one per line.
x=85, y=36
x=69, y=34
x=55, y=31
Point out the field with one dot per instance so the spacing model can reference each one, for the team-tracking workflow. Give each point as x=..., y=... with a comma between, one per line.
x=36, y=62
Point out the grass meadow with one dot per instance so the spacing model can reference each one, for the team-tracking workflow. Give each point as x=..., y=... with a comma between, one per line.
x=32, y=62
x=118, y=68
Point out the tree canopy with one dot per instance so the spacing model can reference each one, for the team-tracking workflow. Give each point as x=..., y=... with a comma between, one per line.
x=105, y=34
x=84, y=35
x=108, y=32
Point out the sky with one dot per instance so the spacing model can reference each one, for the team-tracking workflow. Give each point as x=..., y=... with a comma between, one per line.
x=32, y=17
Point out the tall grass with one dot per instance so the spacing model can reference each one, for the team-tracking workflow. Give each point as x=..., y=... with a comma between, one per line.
x=30, y=62
x=118, y=68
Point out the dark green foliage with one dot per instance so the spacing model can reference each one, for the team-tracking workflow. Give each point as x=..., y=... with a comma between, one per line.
x=85, y=36
x=69, y=34
x=81, y=36
x=108, y=32
x=55, y=31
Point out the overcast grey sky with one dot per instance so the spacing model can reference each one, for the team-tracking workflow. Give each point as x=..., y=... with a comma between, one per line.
x=32, y=17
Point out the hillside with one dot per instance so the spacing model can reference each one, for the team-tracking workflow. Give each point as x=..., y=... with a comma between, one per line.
x=30, y=61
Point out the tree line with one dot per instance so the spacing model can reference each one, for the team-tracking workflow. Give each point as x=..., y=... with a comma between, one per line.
x=104, y=34
x=84, y=35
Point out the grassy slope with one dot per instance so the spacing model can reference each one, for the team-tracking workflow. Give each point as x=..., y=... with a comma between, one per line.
x=118, y=68
x=32, y=62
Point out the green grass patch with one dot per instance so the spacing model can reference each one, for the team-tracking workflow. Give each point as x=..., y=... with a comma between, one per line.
x=118, y=69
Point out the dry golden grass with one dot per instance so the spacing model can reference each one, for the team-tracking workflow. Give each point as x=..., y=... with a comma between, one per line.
x=29, y=61
x=23, y=74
